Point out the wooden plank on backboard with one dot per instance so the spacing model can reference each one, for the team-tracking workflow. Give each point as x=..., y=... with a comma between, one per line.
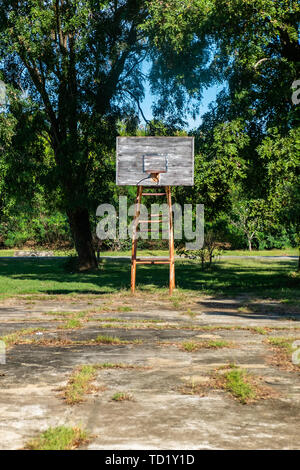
x=133, y=152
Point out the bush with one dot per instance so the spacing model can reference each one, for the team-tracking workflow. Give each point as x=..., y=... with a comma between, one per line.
x=39, y=229
x=207, y=254
x=279, y=238
x=227, y=233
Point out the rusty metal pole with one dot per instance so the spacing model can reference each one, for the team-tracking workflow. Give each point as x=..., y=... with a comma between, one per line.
x=171, y=242
x=134, y=236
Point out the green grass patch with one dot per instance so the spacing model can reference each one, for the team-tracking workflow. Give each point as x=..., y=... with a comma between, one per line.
x=59, y=438
x=15, y=338
x=103, y=339
x=290, y=302
x=216, y=344
x=238, y=384
x=260, y=330
x=274, y=252
x=36, y=277
x=124, y=309
x=118, y=365
x=124, y=320
x=81, y=381
x=159, y=253
x=243, y=386
x=79, y=384
x=282, y=343
x=122, y=396
x=110, y=320
x=190, y=313
x=7, y=252
x=58, y=314
x=123, y=326
x=142, y=253
x=71, y=324
x=245, y=309
x=191, y=346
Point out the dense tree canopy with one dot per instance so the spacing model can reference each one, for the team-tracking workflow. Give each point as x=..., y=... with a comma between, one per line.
x=74, y=72
x=80, y=64
x=249, y=140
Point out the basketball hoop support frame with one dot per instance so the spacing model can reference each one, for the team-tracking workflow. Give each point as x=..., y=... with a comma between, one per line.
x=136, y=222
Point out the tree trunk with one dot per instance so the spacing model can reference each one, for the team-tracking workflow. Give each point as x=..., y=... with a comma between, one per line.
x=249, y=244
x=202, y=263
x=81, y=231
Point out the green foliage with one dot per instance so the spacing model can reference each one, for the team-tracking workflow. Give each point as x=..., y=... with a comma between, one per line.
x=282, y=157
x=79, y=384
x=281, y=239
x=249, y=140
x=59, y=438
x=122, y=396
x=242, y=31
x=78, y=85
x=209, y=252
x=81, y=64
x=237, y=383
x=249, y=216
x=254, y=47
x=34, y=222
x=229, y=277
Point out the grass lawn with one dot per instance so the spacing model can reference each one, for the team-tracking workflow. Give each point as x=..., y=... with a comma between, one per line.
x=72, y=252
x=228, y=277
x=282, y=252
x=7, y=252
x=275, y=252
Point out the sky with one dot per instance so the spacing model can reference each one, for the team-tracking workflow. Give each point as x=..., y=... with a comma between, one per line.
x=209, y=95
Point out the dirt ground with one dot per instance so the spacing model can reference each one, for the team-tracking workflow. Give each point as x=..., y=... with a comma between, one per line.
x=159, y=415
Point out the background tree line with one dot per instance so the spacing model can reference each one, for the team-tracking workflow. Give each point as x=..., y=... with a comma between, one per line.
x=74, y=78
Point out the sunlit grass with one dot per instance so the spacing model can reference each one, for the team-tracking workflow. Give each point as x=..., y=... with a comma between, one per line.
x=47, y=277
x=122, y=396
x=191, y=346
x=237, y=383
x=79, y=384
x=16, y=336
x=148, y=252
x=59, y=438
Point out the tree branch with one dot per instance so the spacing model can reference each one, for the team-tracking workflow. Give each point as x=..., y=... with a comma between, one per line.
x=138, y=104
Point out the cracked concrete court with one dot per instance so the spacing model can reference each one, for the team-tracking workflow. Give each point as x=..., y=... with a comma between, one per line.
x=55, y=335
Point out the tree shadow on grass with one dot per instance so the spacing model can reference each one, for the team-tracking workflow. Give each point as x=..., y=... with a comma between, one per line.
x=225, y=278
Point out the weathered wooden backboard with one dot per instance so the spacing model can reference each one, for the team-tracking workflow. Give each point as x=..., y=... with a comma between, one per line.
x=171, y=157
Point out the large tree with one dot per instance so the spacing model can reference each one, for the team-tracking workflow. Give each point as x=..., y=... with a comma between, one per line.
x=225, y=33
x=253, y=48
x=80, y=63
x=282, y=159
